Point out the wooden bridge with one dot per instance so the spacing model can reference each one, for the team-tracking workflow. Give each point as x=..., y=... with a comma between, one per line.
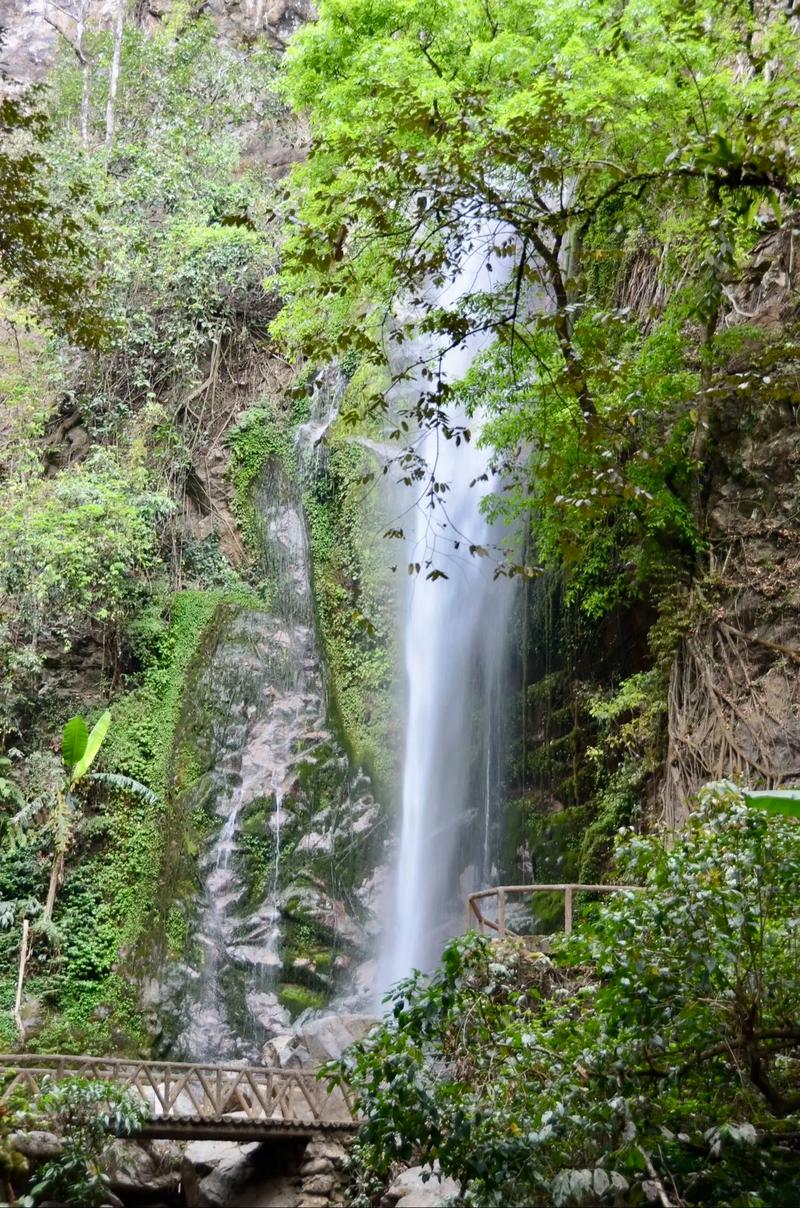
x=499, y=895
x=198, y=1102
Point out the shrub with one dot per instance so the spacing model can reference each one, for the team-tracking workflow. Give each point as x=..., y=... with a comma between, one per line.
x=655, y=1058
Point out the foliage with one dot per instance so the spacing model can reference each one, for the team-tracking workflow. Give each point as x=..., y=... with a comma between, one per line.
x=75, y=548
x=353, y=593
x=509, y=152
x=166, y=638
x=86, y=1115
x=775, y=801
x=45, y=256
x=653, y=1059
x=184, y=223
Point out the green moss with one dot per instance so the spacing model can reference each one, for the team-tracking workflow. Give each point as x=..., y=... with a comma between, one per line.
x=177, y=932
x=122, y=901
x=296, y=998
x=255, y=862
x=263, y=433
x=354, y=593
x=167, y=638
x=615, y=807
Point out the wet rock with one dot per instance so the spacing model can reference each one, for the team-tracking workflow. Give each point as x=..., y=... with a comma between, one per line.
x=318, y=1041
x=37, y=1145
x=214, y=1172
x=312, y=903
x=327, y=1149
x=319, y=1184
x=146, y=1168
x=32, y=1015
x=272, y=1017
x=316, y=1166
x=411, y=1190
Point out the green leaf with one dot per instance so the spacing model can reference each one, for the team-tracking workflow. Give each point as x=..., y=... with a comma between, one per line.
x=95, y=741
x=73, y=741
x=775, y=801
x=127, y=784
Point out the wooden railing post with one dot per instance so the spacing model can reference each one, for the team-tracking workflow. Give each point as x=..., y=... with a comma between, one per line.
x=567, y=909
x=501, y=913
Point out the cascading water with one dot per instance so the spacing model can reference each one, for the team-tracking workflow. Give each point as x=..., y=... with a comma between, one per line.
x=279, y=918
x=456, y=635
x=261, y=694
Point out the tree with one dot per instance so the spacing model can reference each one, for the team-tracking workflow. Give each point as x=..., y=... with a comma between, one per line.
x=86, y=1115
x=113, y=79
x=45, y=251
x=653, y=1058
x=572, y=147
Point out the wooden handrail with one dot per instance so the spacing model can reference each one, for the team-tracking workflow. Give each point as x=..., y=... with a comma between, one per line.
x=501, y=892
x=186, y=1094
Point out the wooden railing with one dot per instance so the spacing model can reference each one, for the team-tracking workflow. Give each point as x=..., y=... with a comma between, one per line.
x=475, y=914
x=190, y=1099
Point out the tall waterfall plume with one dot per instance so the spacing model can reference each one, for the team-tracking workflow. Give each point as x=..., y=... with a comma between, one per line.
x=456, y=638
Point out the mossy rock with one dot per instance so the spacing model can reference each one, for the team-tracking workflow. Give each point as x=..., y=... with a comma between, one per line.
x=296, y=998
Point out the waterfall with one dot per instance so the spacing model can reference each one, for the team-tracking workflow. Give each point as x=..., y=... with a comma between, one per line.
x=455, y=641
x=275, y=804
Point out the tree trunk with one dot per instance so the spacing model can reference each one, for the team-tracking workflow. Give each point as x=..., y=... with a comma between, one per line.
x=113, y=79
x=79, y=32
x=24, y=953
x=55, y=877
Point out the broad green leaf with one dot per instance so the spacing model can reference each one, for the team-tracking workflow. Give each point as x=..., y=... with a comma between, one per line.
x=73, y=741
x=127, y=784
x=95, y=741
x=775, y=801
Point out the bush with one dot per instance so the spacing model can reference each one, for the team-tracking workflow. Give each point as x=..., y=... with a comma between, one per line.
x=74, y=547
x=655, y=1058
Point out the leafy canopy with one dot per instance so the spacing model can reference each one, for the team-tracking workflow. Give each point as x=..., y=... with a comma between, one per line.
x=610, y=166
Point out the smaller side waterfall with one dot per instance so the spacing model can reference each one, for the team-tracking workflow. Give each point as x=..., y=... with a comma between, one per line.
x=281, y=914
x=456, y=637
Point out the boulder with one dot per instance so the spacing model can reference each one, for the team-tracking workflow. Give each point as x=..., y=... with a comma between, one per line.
x=144, y=1167
x=214, y=1171
x=325, y=1149
x=327, y=1038
x=37, y=1145
x=319, y=1184
x=411, y=1190
x=319, y=1041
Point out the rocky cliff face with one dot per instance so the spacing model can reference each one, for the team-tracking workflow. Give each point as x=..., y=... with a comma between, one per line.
x=734, y=695
x=34, y=28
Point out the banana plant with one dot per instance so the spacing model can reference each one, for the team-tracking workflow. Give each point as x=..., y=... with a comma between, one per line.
x=79, y=749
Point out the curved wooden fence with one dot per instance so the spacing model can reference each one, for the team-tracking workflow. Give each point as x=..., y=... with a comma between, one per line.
x=477, y=919
x=182, y=1099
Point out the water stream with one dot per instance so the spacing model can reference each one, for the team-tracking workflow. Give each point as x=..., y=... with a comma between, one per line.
x=277, y=806
x=455, y=641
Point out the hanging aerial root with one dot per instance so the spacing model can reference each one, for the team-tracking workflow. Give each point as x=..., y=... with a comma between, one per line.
x=733, y=712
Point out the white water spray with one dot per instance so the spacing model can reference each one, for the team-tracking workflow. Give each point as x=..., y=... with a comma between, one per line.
x=456, y=633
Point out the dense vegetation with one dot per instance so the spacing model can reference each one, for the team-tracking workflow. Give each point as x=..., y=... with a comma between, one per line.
x=125, y=340
x=591, y=183
x=143, y=400
x=587, y=185
x=614, y=165
x=651, y=1059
